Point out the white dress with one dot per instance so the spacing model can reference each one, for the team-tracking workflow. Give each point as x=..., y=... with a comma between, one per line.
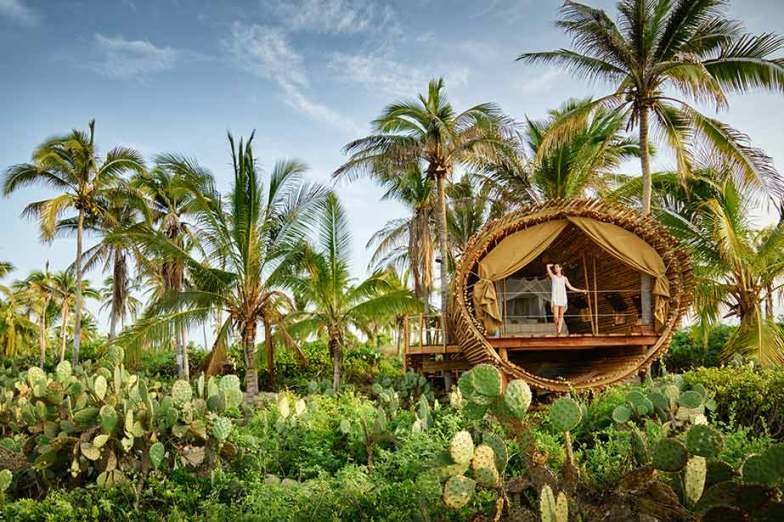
x=558, y=297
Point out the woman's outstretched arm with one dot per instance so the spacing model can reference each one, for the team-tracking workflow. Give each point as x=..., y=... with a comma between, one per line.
x=550, y=270
x=573, y=289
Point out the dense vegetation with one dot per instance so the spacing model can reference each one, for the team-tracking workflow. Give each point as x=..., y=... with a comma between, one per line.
x=143, y=423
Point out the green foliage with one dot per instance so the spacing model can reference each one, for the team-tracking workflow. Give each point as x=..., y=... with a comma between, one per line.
x=689, y=350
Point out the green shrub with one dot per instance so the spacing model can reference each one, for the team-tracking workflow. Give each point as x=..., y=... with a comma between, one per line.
x=688, y=351
x=745, y=396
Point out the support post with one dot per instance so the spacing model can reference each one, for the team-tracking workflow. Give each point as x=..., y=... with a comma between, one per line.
x=502, y=352
x=645, y=300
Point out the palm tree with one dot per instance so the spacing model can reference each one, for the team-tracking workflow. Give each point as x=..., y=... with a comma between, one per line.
x=36, y=292
x=660, y=47
x=71, y=165
x=337, y=306
x=737, y=267
x=429, y=130
x=247, y=239
x=170, y=189
x=64, y=291
x=470, y=206
x=17, y=331
x=408, y=242
x=120, y=308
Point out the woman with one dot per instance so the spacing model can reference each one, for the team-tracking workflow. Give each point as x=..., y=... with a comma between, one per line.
x=558, y=299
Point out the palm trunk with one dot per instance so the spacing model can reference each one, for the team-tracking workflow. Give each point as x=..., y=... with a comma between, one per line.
x=336, y=352
x=444, y=247
x=645, y=161
x=64, y=329
x=270, y=353
x=42, y=334
x=249, y=344
x=78, y=299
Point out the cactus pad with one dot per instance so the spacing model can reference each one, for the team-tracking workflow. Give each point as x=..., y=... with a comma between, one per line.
x=547, y=504
x=499, y=450
x=461, y=448
x=704, y=441
x=694, y=478
x=517, y=398
x=108, y=418
x=232, y=398
x=622, y=414
x=759, y=470
x=669, y=455
x=639, y=448
x=565, y=414
x=229, y=382
x=99, y=387
x=5, y=480
x=458, y=491
x=181, y=392
x=221, y=428
x=483, y=465
x=35, y=375
x=156, y=453
x=63, y=371
x=690, y=399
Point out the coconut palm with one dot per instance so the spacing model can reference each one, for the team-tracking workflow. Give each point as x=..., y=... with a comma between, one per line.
x=121, y=308
x=246, y=239
x=470, y=206
x=170, y=188
x=64, y=291
x=336, y=305
x=736, y=266
x=429, y=130
x=17, y=331
x=71, y=165
x=657, y=49
x=408, y=242
x=37, y=293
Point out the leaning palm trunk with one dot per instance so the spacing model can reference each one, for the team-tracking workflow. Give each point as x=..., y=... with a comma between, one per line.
x=444, y=247
x=270, y=353
x=78, y=298
x=645, y=161
x=336, y=352
x=64, y=330
x=249, y=345
x=42, y=332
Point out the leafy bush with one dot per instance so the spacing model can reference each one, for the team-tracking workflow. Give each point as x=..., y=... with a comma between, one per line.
x=688, y=351
x=745, y=396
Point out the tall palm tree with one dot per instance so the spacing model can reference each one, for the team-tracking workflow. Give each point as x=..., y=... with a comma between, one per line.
x=247, y=239
x=337, y=305
x=736, y=265
x=470, y=206
x=408, y=242
x=170, y=188
x=64, y=291
x=37, y=293
x=122, y=308
x=657, y=49
x=17, y=331
x=429, y=130
x=71, y=165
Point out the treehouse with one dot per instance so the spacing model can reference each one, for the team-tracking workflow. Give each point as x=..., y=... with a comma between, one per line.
x=639, y=285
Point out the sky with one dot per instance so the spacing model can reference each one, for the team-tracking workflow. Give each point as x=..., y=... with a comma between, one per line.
x=307, y=75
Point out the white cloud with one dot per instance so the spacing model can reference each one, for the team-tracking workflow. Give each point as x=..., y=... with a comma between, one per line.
x=17, y=11
x=121, y=58
x=332, y=16
x=266, y=52
x=382, y=74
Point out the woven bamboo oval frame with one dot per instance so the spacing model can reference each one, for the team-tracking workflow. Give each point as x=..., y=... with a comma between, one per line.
x=470, y=333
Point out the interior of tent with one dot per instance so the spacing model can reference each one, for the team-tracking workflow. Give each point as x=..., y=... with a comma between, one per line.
x=511, y=292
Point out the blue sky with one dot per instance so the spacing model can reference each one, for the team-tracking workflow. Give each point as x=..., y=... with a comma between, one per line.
x=307, y=75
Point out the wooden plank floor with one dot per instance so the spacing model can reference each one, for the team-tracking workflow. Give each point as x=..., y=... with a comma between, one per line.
x=547, y=342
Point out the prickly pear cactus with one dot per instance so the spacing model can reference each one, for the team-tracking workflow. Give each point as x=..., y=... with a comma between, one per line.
x=156, y=453
x=100, y=386
x=704, y=441
x=550, y=509
x=181, y=392
x=565, y=414
x=669, y=455
x=63, y=372
x=517, y=398
x=6, y=477
x=458, y=491
x=694, y=479
x=229, y=382
x=221, y=428
x=483, y=466
x=758, y=469
x=232, y=397
x=499, y=450
x=691, y=399
x=461, y=448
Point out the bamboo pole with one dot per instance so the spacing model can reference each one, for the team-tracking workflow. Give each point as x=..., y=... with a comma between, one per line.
x=595, y=295
x=588, y=295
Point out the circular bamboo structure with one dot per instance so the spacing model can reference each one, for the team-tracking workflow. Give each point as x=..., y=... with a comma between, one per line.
x=470, y=333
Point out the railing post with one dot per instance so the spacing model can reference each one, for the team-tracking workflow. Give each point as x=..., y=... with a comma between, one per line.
x=645, y=299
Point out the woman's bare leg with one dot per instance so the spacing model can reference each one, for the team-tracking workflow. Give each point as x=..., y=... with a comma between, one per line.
x=558, y=317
